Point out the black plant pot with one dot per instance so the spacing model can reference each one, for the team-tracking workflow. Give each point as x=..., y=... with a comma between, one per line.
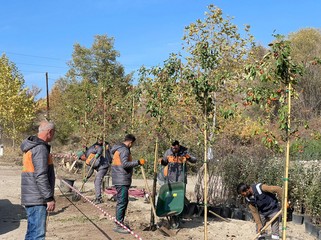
x=297, y=218
x=226, y=212
x=217, y=210
x=237, y=213
x=248, y=216
x=312, y=229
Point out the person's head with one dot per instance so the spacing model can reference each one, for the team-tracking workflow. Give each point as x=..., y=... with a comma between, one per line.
x=129, y=140
x=244, y=190
x=175, y=146
x=46, y=131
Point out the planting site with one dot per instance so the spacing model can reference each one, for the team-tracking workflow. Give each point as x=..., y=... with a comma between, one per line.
x=83, y=220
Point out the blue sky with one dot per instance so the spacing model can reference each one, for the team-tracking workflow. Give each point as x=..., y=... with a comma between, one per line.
x=38, y=36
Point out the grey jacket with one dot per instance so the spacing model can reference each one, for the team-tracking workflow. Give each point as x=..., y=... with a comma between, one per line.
x=175, y=169
x=122, y=165
x=38, y=175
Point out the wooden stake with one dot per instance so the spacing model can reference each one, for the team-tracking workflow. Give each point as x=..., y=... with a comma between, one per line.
x=226, y=220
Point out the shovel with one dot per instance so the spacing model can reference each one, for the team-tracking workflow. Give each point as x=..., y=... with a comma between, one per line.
x=77, y=197
x=162, y=229
x=268, y=224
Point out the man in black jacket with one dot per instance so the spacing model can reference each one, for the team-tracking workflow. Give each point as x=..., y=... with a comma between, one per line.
x=122, y=172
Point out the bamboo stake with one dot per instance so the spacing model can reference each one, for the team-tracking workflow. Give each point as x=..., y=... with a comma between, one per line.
x=268, y=224
x=286, y=167
x=205, y=178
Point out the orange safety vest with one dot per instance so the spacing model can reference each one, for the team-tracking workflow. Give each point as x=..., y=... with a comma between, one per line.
x=27, y=162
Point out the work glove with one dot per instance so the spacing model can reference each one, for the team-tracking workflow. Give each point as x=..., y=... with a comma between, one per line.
x=141, y=161
x=97, y=155
x=187, y=156
x=84, y=180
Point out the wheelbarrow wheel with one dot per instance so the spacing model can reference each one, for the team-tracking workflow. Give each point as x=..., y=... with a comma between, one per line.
x=174, y=222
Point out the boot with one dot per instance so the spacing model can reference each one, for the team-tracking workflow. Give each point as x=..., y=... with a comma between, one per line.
x=98, y=200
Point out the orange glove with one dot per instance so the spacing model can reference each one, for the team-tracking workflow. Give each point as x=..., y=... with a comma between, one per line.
x=141, y=161
x=187, y=156
x=288, y=205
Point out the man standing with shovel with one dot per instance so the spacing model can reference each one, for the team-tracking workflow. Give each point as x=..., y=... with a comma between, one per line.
x=122, y=172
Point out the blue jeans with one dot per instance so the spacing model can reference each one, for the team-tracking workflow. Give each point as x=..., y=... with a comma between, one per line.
x=36, y=222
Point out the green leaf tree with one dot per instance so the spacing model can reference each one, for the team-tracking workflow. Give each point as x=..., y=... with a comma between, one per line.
x=17, y=105
x=278, y=71
x=95, y=90
x=158, y=84
x=215, y=53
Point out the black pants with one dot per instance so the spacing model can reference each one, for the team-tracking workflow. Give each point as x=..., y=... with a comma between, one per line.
x=122, y=202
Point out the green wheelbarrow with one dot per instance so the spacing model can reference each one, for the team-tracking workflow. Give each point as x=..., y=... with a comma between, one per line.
x=170, y=202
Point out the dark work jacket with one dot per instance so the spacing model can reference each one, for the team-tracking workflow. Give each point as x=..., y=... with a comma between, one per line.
x=122, y=165
x=101, y=162
x=265, y=202
x=38, y=175
x=175, y=169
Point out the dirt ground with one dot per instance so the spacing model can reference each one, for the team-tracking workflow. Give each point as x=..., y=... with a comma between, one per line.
x=82, y=220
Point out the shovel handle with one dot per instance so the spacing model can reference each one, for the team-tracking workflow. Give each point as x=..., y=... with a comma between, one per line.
x=226, y=220
x=87, y=173
x=146, y=186
x=268, y=224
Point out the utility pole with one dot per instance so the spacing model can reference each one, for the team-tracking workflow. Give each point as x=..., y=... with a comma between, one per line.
x=48, y=117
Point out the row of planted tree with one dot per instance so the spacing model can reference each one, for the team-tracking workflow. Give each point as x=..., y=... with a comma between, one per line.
x=224, y=97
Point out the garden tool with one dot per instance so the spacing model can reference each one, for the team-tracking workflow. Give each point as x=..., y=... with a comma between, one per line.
x=267, y=224
x=77, y=197
x=162, y=229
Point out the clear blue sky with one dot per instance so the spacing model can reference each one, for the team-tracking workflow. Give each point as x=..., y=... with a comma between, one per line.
x=39, y=35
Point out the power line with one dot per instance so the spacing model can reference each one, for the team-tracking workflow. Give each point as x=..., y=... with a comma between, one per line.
x=41, y=72
x=40, y=65
x=27, y=55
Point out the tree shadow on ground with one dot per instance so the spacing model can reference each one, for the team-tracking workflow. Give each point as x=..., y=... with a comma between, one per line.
x=10, y=216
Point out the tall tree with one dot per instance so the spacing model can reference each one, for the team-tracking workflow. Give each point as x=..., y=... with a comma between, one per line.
x=306, y=45
x=17, y=105
x=216, y=51
x=157, y=86
x=278, y=70
x=101, y=88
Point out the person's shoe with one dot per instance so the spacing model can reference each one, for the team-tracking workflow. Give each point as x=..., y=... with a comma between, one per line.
x=119, y=229
x=98, y=200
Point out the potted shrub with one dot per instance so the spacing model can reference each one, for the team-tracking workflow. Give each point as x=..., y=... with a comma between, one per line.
x=313, y=204
x=298, y=182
